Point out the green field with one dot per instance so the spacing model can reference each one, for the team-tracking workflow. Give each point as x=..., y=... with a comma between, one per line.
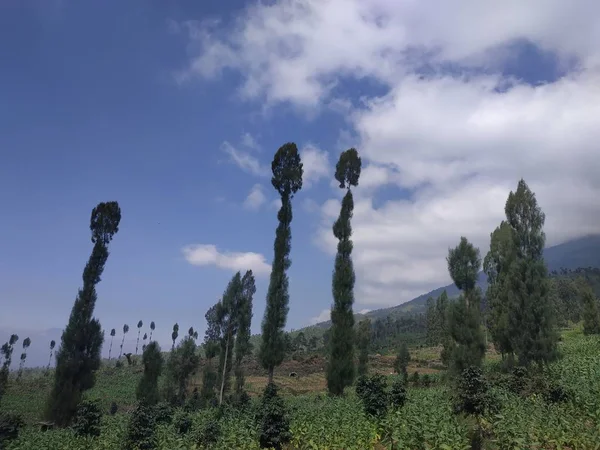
x=320, y=422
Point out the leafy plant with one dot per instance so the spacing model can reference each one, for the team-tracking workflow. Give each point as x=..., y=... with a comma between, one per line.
x=141, y=429
x=398, y=394
x=275, y=427
x=87, y=419
x=372, y=392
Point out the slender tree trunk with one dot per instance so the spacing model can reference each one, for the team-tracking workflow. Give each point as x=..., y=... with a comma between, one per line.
x=137, y=343
x=122, y=342
x=110, y=348
x=271, y=369
x=49, y=361
x=224, y=370
x=150, y=340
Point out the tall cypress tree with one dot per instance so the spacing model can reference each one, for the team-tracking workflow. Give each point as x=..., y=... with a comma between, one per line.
x=287, y=180
x=340, y=368
x=363, y=342
x=147, y=389
x=242, y=340
x=468, y=350
x=530, y=314
x=212, y=338
x=81, y=343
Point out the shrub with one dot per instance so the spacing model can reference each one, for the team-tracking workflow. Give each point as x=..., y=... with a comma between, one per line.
x=398, y=394
x=426, y=380
x=87, y=419
x=140, y=430
x=210, y=433
x=372, y=392
x=472, y=392
x=10, y=424
x=113, y=408
x=556, y=393
x=182, y=422
x=415, y=378
x=163, y=413
x=275, y=426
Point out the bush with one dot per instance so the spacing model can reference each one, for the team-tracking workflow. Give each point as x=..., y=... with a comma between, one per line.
x=87, y=419
x=372, y=392
x=472, y=392
x=10, y=424
x=182, y=422
x=556, y=393
x=113, y=408
x=163, y=413
x=426, y=380
x=275, y=426
x=415, y=378
x=398, y=394
x=140, y=430
x=210, y=433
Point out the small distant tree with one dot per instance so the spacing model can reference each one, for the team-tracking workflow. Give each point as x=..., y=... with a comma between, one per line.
x=401, y=361
x=6, y=351
x=340, y=367
x=152, y=327
x=26, y=344
x=287, y=180
x=125, y=331
x=174, y=335
x=137, y=343
x=364, y=338
x=147, y=389
x=112, y=336
x=52, y=345
x=181, y=365
x=591, y=316
x=144, y=341
x=81, y=343
x=275, y=424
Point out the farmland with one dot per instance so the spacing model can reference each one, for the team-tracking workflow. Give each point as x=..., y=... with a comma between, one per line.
x=318, y=421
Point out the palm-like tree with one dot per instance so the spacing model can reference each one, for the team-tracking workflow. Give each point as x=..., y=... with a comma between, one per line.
x=26, y=344
x=52, y=345
x=137, y=343
x=174, y=335
x=125, y=330
x=152, y=326
x=112, y=336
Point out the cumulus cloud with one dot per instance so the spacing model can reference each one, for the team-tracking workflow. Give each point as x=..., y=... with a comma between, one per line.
x=315, y=163
x=244, y=160
x=209, y=255
x=323, y=316
x=455, y=143
x=256, y=198
x=249, y=142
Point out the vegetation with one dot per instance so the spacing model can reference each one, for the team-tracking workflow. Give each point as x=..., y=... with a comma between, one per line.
x=147, y=390
x=363, y=343
x=287, y=180
x=341, y=370
x=79, y=354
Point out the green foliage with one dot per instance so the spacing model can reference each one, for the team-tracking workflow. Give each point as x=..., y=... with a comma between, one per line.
x=147, y=389
x=372, y=392
x=10, y=424
x=244, y=318
x=79, y=354
x=363, y=340
x=209, y=433
x=464, y=262
x=181, y=365
x=6, y=351
x=402, y=360
x=591, y=315
x=472, y=392
x=274, y=427
x=87, y=419
x=141, y=429
x=182, y=422
x=340, y=368
x=287, y=180
x=398, y=393
x=113, y=408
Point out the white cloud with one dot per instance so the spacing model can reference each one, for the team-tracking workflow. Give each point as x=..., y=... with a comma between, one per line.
x=323, y=316
x=209, y=255
x=249, y=142
x=256, y=198
x=316, y=165
x=364, y=311
x=456, y=145
x=244, y=160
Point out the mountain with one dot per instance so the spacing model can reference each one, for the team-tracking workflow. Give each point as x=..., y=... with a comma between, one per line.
x=581, y=252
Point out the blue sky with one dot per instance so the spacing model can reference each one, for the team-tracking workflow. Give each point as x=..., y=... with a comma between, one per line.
x=174, y=109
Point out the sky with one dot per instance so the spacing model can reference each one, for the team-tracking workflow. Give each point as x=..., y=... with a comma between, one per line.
x=175, y=109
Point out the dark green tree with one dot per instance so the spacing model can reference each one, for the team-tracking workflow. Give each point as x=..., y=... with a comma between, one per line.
x=340, y=367
x=275, y=423
x=6, y=351
x=287, y=180
x=137, y=343
x=468, y=345
x=112, y=336
x=152, y=327
x=181, y=365
x=401, y=361
x=144, y=341
x=497, y=265
x=244, y=317
x=125, y=331
x=26, y=344
x=591, y=316
x=363, y=341
x=147, y=389
x=52, y=345
x=81, y=343
x=212, y=338
x=174, y=335
x=531, y=322
x=228, y=319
